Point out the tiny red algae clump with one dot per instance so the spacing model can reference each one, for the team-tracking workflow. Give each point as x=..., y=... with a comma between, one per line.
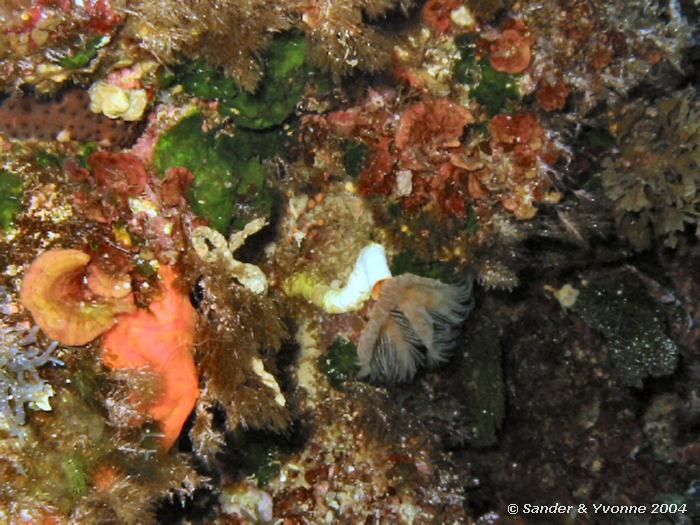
x=511, y=52
x=161, y=338
x=552, y=96
x=122, y=172
x=436, y=14
x=435, y=122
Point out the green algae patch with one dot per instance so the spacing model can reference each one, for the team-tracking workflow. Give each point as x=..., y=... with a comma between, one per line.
x=83, y=56
x=75, y=469
x=47, y=160
x=204, y=81
x=495, y=90
x=407, y=262
x=257, y=454
x=472, y=223
x=632, y=324
x=252, y=197
x=212, y=192
x=279, y=91
x=285, y=76
x=10, y=197
x=229, y=181
x=355, y=154
x=339, y=363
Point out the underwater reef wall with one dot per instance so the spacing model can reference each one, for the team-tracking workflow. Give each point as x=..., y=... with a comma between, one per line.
x=347, y=261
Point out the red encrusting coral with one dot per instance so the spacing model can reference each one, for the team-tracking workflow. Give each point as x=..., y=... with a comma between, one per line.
x=448, y=187
x=161, y=339
x=377, y=178
x=175, y=185
x=420, y=156
x=511, y=52
x=519, y=145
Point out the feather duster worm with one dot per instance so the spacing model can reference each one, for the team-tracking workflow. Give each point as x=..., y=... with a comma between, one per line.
x=161, y=338
x=411, y=313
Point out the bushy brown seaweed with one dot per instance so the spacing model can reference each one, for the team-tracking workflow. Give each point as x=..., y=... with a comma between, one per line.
x=228, y=33
x=235, y=328
x=233, y=33
x=340, y=38
x=654, y=179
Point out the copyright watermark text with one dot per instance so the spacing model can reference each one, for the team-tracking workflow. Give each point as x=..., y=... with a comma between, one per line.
x=595, y=508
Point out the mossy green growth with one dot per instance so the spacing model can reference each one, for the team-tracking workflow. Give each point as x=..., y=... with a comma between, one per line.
x=204, y=81
x=253, y=199
x=282, y=85
x=339, y=363
x=229, y=181
x=75, y=469
x=632, y=324
x=407, y=262
x=47, y=160
x=481, y=378
x=472, y=223
x=83, y=56
x=10, y=197
x=263, y=144
x=494, y=90
x=256, y=454
x=84, y=151
x=212, y=193
x=355, y=154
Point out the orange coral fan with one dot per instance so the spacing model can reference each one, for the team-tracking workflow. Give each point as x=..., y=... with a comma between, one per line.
x=511, y=52
x=54, y=291
x=161, y=338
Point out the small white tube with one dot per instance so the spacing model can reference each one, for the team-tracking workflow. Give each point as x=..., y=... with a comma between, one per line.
x=371, y=267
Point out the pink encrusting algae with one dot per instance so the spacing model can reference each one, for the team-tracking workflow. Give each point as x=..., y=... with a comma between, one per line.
x=161, y=339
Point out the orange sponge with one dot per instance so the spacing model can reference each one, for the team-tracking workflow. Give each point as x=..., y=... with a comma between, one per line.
x=162, y=339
